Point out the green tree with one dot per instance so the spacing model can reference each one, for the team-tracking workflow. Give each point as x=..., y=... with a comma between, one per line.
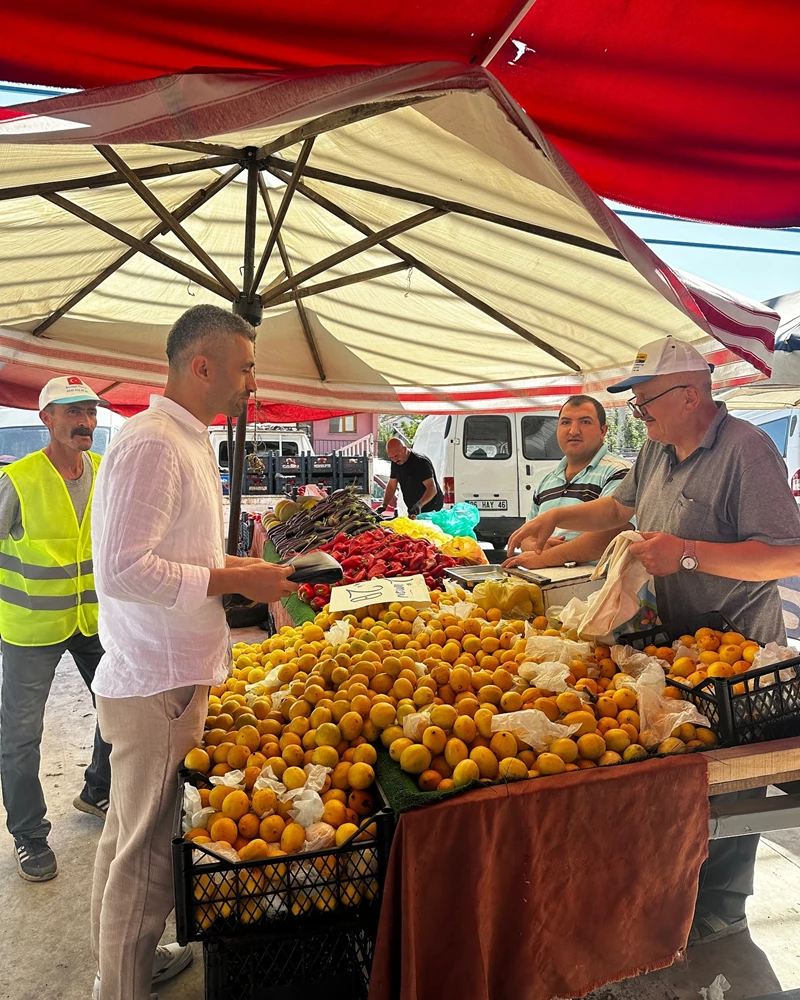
x=625, y=432
x=393, y=425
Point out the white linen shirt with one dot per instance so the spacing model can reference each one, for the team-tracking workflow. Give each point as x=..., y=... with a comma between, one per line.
x=157, y=531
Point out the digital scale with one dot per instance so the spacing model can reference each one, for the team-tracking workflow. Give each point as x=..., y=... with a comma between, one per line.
x=559, y=583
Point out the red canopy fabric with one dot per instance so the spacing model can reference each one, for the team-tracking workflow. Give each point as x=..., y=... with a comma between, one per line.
x=687, y=108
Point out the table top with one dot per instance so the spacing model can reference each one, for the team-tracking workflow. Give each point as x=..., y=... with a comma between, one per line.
x=753, y=766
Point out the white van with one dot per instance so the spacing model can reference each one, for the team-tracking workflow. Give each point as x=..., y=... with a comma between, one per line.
x=22, y=432
x=783, y=426
x=265, y=439
x=493, y=460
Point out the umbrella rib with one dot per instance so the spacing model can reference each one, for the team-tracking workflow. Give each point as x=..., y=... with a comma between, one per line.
x=339, y=119
x=163, y=213
x=457, y=208
x=435, y=275
x=214, y=148
x=109, y=180
x=287, y=266
x=190, y=205
x=199, y=277
x=372, y=239
x=283, y=208
x=347, y=279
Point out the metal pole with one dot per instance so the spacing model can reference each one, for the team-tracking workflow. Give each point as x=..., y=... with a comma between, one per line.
x=248, y=271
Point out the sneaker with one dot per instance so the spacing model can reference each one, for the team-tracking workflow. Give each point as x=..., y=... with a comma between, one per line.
x=170, y=959
x=85, y=804
x=35, y=860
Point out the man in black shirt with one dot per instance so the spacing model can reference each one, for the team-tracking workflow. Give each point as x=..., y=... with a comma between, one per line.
x=416, y=477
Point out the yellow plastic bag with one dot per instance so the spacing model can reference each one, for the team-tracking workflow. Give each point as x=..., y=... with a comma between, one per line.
x=514, y=598
x=418, y=529
x=465, y=549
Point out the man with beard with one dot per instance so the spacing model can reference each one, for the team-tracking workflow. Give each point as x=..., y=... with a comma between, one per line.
x=48, y=606
x=161, y=574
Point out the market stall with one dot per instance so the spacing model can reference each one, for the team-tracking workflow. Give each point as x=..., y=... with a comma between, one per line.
x=419, y=704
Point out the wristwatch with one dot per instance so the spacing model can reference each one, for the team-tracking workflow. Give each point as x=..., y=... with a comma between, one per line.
x=689, y=557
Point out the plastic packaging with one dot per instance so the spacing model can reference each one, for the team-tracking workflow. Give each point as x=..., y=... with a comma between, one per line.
x=233, y=779
x=717, y=990
x=552, y=648
x=532, y=727
x=773, y=653
x=319, y=836
x=414, y=725
x=459, y=521
x=195, y=815
x=547, y=676
x=418, y=529
x=465, y=548
x=515, y=598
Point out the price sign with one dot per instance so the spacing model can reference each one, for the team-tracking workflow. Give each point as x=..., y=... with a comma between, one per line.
x=408, y=590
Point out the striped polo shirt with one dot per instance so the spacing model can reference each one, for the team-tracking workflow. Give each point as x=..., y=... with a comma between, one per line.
x=600, y=478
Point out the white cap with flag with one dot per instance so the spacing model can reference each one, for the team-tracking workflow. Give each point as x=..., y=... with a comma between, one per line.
x=663, y=357
x=68, y=389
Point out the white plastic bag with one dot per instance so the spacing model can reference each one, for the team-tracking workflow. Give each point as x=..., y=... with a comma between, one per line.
x=338, y=633
x=195, y=815
x=572, y=614
x=552, y=648
x=532, y=727
x=414, y=725
x=268, y=779
x=658, y=716
x=233, y=779
x=617, y=601
x=308, y=806
x=463, y=609
x=319, y=836
x=222, y=849
x=716, y=990
x=773, y=653
x=547, y=676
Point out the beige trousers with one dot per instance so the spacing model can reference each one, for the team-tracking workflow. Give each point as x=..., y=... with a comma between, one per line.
x=132, y=892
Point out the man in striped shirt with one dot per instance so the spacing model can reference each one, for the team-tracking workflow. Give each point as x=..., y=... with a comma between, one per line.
x=587, y=472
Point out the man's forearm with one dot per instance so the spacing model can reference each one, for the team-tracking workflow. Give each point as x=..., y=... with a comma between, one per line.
x=428, y=495
x=225, y=581
x=600, y=515
x=585, y=548
x=753, y=561
x=388, y=495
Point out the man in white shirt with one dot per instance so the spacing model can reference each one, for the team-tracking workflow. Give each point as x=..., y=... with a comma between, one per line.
x=160, y=572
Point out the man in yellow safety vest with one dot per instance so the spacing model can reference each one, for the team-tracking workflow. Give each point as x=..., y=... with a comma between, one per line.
x=48, y=606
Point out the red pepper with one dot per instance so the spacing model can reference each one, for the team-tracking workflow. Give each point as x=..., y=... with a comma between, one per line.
x=360, y=575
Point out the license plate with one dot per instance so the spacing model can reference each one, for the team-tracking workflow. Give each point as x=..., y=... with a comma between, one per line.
x=491, y=504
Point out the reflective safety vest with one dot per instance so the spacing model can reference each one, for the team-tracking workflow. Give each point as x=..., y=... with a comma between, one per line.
x=46, y=578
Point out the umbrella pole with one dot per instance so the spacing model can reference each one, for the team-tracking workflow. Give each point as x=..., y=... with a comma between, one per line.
x=252, y=312
x=236, y=474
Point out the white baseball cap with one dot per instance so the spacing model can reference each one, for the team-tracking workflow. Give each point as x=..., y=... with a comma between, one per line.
x=68, y=389
x=663, y=357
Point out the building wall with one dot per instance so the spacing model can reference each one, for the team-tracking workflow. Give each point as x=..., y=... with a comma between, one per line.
x=365, y=423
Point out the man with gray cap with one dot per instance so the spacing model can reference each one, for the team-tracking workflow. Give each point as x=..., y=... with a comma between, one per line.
x=48, y=606
x=710, y=494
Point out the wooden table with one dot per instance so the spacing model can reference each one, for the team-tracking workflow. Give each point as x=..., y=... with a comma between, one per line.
x=753, y=766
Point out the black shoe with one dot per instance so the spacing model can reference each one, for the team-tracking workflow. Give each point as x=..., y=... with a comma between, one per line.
x=35, y=860
x=86, y=805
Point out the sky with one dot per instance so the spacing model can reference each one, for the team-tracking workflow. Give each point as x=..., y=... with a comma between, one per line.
x=758, y=275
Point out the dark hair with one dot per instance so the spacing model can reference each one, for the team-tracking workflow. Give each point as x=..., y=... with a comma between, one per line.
x=580, y=400
x=202, y=323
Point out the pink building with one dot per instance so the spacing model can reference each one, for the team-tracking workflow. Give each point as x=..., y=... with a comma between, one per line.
x=340, y=432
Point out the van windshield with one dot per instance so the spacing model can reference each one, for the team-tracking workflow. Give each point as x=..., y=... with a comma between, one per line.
x=17, y=442
x=264, y=448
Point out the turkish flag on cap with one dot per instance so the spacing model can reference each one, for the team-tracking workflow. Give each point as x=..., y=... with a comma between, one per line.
x=74, y=381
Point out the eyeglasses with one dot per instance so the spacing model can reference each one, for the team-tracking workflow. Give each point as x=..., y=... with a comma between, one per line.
x=638, y=408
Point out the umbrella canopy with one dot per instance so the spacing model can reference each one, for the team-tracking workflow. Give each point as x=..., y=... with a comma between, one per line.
x=411, y=238
x=687, y=108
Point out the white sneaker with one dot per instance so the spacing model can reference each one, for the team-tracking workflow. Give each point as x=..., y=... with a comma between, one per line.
x=170, y=959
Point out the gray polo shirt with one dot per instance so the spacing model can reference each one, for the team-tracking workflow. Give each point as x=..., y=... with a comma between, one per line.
x=732, y=488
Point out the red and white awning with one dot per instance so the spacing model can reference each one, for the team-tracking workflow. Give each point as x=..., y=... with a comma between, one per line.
x=436, y=253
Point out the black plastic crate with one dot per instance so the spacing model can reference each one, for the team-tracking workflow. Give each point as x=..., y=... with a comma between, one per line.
x=768, y=707
x=227, y=899
x=293, y=964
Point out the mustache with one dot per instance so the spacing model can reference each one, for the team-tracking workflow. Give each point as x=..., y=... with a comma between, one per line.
x=81, y=431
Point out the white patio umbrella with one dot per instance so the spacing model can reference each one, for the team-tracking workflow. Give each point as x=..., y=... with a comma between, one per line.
x=407, y=236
